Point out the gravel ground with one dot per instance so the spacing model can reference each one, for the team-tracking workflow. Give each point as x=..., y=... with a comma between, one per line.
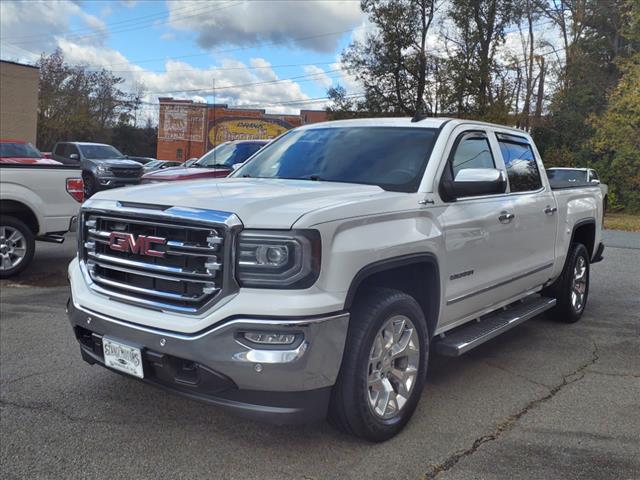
x=545, y=400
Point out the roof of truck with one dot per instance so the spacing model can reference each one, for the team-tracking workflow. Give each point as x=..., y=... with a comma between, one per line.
x=582, y=169
x=428, y=122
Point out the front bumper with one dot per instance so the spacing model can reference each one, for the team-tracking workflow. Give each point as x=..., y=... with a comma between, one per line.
x=113, y=182
x=279, y=385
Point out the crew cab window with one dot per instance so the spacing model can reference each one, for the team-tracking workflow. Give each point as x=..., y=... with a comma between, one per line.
x=522, y=168
x=593, y=175
x=473, y=151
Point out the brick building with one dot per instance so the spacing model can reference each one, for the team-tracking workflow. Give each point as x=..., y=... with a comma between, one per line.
x=187, y=129
x=18, y=101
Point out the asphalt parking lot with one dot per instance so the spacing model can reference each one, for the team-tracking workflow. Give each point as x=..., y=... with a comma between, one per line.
x=545, y=400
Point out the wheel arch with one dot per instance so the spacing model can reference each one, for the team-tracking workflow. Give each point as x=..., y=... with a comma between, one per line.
x=584, y=231
x=22, y=212
x=403, y=273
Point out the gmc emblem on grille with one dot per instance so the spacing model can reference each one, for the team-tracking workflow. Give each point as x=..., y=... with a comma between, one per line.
x=143, y=245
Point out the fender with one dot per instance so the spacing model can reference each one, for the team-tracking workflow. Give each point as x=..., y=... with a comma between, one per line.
x=582, y=223
x=367, y=271
x=26, y=197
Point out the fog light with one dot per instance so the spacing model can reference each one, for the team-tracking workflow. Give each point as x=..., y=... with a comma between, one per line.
x=267, y=338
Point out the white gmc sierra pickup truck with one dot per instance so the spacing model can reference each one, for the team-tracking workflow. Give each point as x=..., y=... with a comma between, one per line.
x=316, y=280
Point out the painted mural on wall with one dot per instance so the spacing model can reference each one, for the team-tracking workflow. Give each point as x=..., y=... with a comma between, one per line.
x=181, y=122
x=225, y=129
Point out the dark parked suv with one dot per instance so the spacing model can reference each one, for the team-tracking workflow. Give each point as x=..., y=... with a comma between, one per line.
x=103, y=166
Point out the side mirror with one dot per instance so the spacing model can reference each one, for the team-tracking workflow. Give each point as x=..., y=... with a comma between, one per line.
x=476, y=181
x=595, y=181
x=74, y=156
x=236, y=166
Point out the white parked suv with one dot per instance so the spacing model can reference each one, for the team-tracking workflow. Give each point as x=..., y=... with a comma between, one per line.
x=316, y=279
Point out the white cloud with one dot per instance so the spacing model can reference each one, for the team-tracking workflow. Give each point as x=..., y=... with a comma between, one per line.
x=168, y=36
x=298, y=23
x=29, y=28
x=319, y=76
x=236, y=84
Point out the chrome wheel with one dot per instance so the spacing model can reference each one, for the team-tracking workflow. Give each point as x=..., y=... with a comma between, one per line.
x=393, y=366
x=579, y=287
x=13, y=247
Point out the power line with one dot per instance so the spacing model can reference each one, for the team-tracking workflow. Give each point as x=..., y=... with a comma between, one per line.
x=217, y=69
x=275, y=42
x=315, y=76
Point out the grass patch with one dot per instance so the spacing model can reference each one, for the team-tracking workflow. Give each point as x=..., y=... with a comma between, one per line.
x=622, y=221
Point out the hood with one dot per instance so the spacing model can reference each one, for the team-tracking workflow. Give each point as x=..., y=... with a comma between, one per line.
x=260, y=203
x=117, y=162
x=185, y=173
x=29, y=161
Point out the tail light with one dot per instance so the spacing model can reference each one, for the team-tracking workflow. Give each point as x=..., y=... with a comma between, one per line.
x=75, y=188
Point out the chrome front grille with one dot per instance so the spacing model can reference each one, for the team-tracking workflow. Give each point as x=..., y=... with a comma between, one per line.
x=158, y=260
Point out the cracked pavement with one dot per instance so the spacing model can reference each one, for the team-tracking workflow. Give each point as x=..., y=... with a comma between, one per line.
x=545, y=400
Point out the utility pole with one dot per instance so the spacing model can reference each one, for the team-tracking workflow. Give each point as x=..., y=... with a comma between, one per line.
x=215, y=127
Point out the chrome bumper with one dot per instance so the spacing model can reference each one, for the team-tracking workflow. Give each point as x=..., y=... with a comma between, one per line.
x=312, y=362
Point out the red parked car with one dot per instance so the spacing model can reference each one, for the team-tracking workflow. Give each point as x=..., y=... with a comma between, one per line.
x=216, y=163
x=22, y=153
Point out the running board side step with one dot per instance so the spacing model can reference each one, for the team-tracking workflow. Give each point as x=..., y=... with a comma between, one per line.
x=462, y=339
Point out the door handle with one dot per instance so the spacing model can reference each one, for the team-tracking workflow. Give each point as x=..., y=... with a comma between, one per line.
x=506, y=217
x=550, y=210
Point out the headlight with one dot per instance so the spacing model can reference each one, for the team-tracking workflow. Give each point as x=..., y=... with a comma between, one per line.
x=103, y=169
x=278, y=259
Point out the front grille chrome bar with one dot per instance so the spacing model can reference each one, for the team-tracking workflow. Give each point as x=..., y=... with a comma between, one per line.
x=195, y=266
x=146, y=291
x=150, y=267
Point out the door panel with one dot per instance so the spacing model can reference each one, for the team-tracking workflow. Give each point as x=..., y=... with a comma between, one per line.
x=535, y=211
x=479, y=248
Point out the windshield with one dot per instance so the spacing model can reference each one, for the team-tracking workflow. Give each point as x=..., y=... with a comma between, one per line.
x=227, y=155
x=393, y=158
x=100, y=152
x=567, y=175
x=21, y=150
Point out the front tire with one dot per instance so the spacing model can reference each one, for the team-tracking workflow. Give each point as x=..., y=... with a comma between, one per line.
x=571, y=290
x=17, y=246
x=384, y=366
x=90, y=186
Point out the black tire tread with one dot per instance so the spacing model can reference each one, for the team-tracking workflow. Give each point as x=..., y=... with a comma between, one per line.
x=563, y=311
x=341, y=407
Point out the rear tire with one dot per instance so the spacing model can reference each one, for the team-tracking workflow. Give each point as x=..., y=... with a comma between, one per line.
x=383, y=367
x=17, y=246
x=571, y=290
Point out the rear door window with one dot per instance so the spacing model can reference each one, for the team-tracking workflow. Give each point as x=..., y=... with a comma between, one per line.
x=521, y=165
x=59, y=150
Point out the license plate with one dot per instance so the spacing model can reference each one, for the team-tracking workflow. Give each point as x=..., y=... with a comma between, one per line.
x=122, y=357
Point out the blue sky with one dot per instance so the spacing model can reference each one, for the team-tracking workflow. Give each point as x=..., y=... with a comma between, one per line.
x=280, y=55
x=167, y=46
